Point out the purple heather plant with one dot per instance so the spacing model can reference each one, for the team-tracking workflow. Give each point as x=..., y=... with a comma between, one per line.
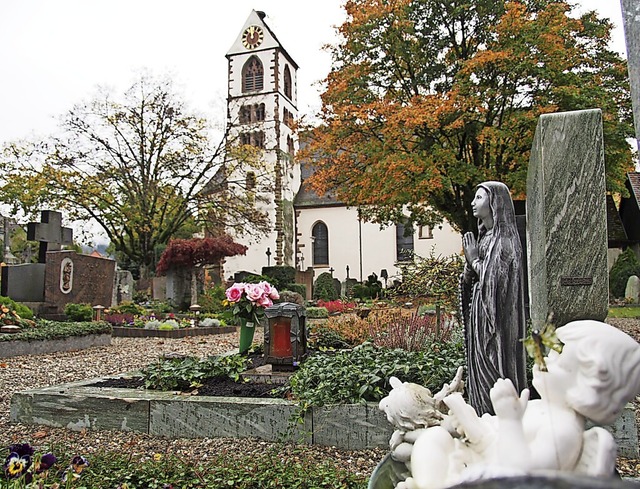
x=411, y=333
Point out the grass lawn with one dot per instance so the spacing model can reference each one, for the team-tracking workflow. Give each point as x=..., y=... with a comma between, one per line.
x=624, y=312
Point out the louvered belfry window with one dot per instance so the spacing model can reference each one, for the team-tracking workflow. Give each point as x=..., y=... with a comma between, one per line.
x=252, y=75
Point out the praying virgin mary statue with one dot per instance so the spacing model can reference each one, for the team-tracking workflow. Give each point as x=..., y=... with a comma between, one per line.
x=492, y=297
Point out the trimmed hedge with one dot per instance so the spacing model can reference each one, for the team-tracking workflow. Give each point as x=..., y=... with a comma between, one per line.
x=54, y=330
x=317, y=312
x=280, y=276
x=324, y=289
x=625, y=266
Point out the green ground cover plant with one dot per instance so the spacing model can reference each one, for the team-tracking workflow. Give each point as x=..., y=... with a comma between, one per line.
x=53, y=330
x=182, y=373
x=362, y=374
x=109, y=470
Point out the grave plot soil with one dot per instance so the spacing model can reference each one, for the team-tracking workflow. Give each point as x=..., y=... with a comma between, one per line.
x=215, y=386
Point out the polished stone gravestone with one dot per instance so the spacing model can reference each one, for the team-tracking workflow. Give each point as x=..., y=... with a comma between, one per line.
x=124, y=287
x=78, y=279
x=566, y=219
x=631, y=21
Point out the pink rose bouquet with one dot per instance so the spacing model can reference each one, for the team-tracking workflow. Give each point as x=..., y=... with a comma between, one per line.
x=248, y=301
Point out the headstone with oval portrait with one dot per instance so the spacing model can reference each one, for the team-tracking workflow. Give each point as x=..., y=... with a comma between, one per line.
x=79, y=279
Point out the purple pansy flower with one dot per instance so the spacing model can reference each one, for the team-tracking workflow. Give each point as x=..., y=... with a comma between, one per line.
x=18, y=461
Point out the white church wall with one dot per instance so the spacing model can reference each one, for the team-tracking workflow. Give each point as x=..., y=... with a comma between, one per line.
x=364, y=247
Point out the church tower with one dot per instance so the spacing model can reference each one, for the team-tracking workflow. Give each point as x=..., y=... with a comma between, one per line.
x=261, y=107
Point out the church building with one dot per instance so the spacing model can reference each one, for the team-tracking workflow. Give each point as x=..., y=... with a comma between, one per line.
x=308, y=230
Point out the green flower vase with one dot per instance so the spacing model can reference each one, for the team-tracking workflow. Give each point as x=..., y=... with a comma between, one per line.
x=247, y=330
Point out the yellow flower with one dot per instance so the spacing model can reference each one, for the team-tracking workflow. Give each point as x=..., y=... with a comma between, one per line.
x=5, y=308
x=157, y=457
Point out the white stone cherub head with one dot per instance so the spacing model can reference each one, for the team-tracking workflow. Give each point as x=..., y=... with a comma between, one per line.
x=596, y=374
x=409, y=406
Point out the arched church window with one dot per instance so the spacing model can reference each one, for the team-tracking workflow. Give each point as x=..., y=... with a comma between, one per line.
x=287, y=82
x=252, y=113
x=252, y=75
x=320, y=243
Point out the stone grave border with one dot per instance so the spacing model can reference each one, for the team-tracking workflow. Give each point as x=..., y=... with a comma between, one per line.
x=15, y=348
x=127, y=332
x=78, y=406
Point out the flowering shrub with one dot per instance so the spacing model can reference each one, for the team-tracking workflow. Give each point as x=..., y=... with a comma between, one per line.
x=410, y=333
x=248, y=301
x=337, y=306
x=350, y=327
x=23, y=466
x=119, y=319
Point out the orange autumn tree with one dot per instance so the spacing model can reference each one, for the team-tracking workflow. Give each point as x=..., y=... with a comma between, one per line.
x=428, y=98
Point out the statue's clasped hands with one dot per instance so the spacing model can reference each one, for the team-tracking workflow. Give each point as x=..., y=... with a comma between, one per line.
x=470, y=247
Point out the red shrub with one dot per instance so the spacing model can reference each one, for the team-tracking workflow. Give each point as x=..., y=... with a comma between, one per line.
x=337, y=306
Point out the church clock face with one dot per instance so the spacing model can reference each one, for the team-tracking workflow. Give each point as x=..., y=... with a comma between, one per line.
x=252, y=37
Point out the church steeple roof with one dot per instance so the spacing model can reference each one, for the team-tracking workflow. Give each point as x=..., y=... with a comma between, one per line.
x=269, y=39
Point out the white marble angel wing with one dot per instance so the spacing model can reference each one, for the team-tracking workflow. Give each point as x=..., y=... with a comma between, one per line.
x=598, y=458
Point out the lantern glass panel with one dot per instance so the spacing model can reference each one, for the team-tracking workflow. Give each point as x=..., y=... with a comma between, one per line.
x=280, y=333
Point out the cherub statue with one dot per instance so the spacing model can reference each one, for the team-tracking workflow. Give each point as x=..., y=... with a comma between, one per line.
x=595, y=375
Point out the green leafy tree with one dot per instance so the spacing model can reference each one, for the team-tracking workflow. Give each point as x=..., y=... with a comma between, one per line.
x=428, y=98
x=143, y=167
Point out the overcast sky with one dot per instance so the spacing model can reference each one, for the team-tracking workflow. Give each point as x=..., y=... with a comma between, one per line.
x=53, y=53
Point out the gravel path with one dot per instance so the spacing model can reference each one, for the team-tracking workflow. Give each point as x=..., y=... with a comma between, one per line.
x=123, y=355
x=126, y=354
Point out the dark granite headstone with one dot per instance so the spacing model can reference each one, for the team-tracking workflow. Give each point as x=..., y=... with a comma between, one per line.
x=567, y=219
x=24, y=282
x=631, y=21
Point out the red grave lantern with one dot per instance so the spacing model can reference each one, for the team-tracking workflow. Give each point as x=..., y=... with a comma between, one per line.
x=285, y=336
